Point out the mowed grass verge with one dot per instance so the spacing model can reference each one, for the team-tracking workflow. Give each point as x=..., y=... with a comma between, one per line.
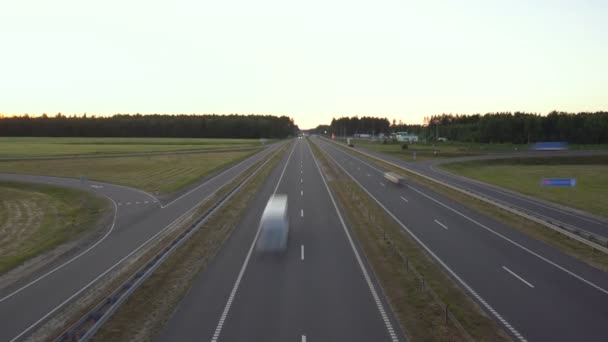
x=524, y=175
x=21, y=147
x=162, y=173
x=385, y=245
x=35, y=218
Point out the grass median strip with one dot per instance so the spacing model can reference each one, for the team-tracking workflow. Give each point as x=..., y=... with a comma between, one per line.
x=532, y=229
x=417, y=288
x=35, y=218
x=143, y=315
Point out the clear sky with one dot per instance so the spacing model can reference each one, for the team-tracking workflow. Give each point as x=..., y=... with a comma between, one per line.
x=312, y=60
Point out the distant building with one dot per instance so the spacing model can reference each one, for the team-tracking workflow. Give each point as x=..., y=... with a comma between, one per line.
x=442, y=139
x=405, y=137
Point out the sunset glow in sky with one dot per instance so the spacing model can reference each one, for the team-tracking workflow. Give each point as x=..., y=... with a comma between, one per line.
x=312, y=60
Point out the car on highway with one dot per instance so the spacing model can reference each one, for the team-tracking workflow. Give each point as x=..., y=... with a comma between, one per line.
x=393, y=178
x=274, y=225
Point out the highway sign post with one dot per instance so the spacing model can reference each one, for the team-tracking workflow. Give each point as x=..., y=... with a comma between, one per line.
x=563, y=182
x=560, y=182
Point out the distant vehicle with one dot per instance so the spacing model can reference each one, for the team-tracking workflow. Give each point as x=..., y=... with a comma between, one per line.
x=349, y=142
x=274, y=225
x=393, y=178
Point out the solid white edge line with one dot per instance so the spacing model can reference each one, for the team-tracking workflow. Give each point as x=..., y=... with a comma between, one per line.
x=218, y=328
x=376, y=297
x=441, y=224
x=69, y=261
x=443, y=264
x=403, y=198
x=518, y=277
x=597, y=287
x=106, y=271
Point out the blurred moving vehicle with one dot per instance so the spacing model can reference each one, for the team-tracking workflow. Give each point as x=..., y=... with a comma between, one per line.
x=393, y=178
x=274, y=225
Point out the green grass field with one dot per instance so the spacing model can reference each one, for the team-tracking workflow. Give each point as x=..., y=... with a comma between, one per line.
x=163, y=173
x=524, y=175
x=35, y=218
x=17, y=147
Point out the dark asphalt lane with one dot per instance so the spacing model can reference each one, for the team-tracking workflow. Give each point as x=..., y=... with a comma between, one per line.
x=316, y=291
x=540, y=208
x=531, y=288
x=25, y=303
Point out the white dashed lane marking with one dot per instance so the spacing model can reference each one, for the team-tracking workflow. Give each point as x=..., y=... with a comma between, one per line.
x=518, y=277
x=441, y=224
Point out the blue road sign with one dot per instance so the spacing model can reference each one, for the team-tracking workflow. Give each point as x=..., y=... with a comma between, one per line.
x=558, y=182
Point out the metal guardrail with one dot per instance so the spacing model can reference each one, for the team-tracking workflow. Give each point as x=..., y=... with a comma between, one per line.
x=584, y=237
x=92, y=321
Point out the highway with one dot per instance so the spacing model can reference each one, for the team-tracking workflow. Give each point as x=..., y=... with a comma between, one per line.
x=321, y=289
x=138, y=218
x=555, y=213
x=536, y=292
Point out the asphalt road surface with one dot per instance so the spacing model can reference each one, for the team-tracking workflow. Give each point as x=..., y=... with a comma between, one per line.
x=321, y=289
x=138, y=218
x=555, y=213
x=536, y=292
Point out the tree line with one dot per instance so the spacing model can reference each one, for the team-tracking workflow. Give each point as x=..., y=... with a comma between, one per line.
x=156, y=125
x=517, y=127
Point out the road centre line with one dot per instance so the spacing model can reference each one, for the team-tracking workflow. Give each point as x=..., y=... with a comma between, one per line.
x=595, y=286
x=301, y=212
x=441, y=224
x=303, y=338
x=518, y=277
x=302, y=252
x=405, y=199
x=366, y=276
x=301, y=192
x=382, y=184
x=443, y=264
x=235, y=288
x=106, y=271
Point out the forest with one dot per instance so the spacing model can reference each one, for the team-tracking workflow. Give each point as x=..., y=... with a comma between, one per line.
x=156, y=125
x=517, y=128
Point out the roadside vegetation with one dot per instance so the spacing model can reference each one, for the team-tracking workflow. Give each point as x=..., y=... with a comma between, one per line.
x=417, y=288
x=591, y=173
x=24, y=147
x=159, y=174
x=535, y=230
x=35, y=218
x=144, y=314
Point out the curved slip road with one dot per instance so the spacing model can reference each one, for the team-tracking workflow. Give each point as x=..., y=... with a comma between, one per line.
x=320, y=290
x=555, y=213
x=536, y=292
x=29, y=301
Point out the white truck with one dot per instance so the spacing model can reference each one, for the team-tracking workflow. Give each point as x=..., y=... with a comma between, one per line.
x=393, y=178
